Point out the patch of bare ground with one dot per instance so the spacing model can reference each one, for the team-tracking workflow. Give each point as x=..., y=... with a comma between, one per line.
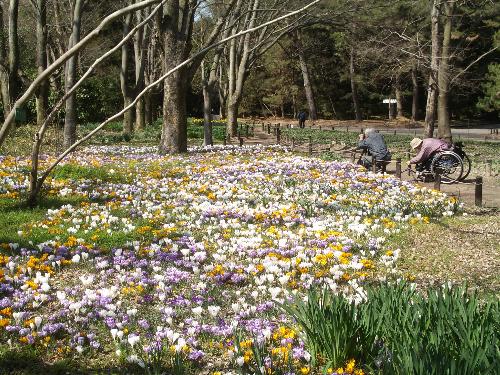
x=462, y=249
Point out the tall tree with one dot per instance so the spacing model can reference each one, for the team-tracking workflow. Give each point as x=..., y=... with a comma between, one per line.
x=9, y=56
x=42, y=96
x=125, y=79
x=414, y=81
x=313, y=114
x=432, y=89
x=444, y=129
x=177, y=33
x=354, y=86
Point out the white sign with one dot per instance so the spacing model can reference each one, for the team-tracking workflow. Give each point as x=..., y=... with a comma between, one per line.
x=392, y=101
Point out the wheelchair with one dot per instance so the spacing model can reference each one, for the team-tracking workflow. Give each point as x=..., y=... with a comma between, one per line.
x=452, y=165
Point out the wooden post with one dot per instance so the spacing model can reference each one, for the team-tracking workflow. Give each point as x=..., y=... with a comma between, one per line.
x=241, y=141
x=310, y=146
x=479, y=191
x=394, y=132
x=320, y=127
x=278, y=135
x=347, y=129
x=437, y=181
x=263, y=126
x=268, y=128
x=224, y=141
x=333, y=127
x=374, y=164
x=398, y=168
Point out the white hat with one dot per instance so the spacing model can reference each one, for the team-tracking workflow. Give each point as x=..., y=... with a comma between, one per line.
x=415, y=142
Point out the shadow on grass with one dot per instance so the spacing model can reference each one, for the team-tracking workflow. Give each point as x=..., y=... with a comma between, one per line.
x=27, y=362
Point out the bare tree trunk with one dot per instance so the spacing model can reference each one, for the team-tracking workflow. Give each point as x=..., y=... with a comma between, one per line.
x=313, y=114
x=148, y=109
x=432, y=90
x=208, y=88
x=399, y=97
x=232, y=116
x=414, y=80
x=207, y=117
x=128, y=118
x=9, y=69
x=70, y=78
x=174, y=135
x=4, y=66
x=391, y=110
x=140, y=114
x=222, y=91
x=140, y=51
x=42, y=97
x=354, y=88
x=444, y=129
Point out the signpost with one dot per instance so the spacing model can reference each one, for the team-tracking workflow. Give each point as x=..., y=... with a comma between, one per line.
x=391, y=107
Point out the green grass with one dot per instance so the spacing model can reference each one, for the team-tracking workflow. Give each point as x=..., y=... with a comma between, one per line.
x=17, y=216
x=478, y=151
x=80, y=172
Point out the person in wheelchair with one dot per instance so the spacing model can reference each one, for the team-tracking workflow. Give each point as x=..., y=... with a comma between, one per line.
x=374, y=144
x=426, y=149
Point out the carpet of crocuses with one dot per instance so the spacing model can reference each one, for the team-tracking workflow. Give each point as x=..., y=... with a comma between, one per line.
x=212, y=243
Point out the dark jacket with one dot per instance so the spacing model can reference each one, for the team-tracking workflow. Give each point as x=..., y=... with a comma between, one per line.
x=374, y=143
x=302, y=116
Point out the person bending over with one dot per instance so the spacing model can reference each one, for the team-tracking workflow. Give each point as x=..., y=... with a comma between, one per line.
x=425, y=150
x=374, y=144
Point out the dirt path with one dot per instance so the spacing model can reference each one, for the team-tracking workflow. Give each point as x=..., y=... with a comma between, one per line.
x=464, y=191
x=488, y=132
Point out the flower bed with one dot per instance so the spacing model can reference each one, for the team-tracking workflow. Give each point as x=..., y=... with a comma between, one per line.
x=203, y=246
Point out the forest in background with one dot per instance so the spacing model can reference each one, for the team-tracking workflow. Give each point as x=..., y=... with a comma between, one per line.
x=338, y=60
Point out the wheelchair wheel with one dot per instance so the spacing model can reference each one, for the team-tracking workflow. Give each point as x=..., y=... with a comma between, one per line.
x=449, y=165
x=467, y=166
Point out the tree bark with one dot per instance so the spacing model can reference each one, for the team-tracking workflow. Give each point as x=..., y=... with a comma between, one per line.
x=140, y=52
x=208, y=84
x=223, y=92
x=9, y=60
x=70, y=77
x=174, y=134
x=444, y=129
x=313, y=115
x=148, y=109
x=354, y=88
x=432, y=90
x=128, y=118
x=207, y=117
x=42, y=97
x=399, y=97
x=414, y=80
